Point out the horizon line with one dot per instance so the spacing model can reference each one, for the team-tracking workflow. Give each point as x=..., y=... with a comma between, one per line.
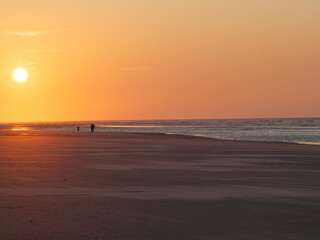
x=167, y=119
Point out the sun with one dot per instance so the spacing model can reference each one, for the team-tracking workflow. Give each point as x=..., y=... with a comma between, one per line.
x=20, y=75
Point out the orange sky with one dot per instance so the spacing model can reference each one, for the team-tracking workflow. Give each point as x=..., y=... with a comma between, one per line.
x=159, y=59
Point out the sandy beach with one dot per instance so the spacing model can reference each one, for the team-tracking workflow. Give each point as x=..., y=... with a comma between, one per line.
x=81, y=185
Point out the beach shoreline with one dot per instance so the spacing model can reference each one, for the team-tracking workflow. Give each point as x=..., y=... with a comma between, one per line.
x=305, y=131
x=82, y=185
x=10, y=132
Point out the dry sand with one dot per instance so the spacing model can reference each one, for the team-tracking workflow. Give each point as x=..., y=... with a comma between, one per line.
x=77, y=185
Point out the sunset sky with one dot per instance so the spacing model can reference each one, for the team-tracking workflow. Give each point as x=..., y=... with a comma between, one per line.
x=159, y=59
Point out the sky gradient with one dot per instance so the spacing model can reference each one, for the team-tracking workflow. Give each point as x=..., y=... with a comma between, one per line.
x=159, y=59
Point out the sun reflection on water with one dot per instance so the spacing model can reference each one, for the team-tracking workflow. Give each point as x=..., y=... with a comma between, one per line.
x=20, y=129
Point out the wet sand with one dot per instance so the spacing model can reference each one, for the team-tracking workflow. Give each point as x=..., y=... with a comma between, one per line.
x=81, y=185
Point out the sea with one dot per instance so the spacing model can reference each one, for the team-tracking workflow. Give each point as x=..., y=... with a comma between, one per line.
x=297, y=130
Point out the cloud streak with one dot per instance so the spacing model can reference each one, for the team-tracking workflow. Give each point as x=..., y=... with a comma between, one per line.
x=30, y=33
x=30, y=65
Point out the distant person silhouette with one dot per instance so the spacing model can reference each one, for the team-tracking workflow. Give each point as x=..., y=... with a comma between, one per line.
x=92, y=127
x=78, y=128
